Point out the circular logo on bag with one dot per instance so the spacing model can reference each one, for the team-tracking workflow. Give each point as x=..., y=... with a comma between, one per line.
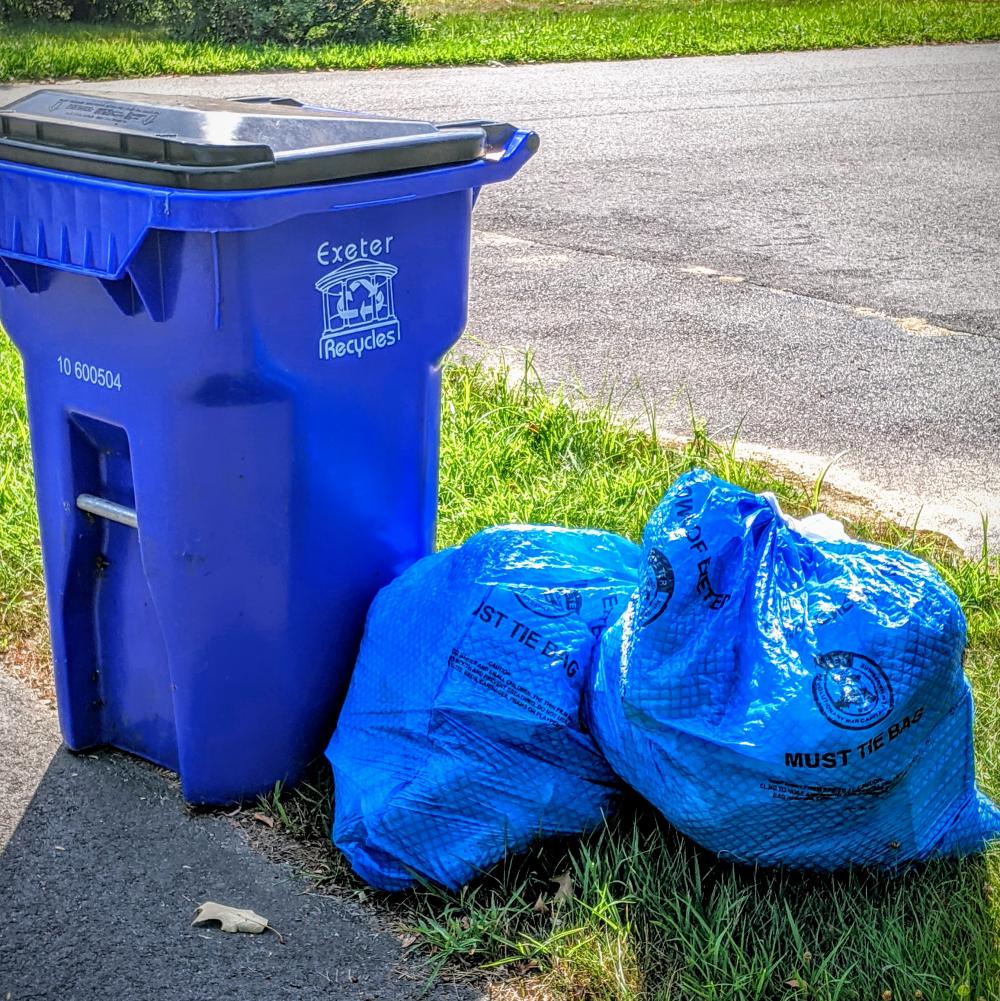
x=851, y=690
x=656, y=587
x=555, y=603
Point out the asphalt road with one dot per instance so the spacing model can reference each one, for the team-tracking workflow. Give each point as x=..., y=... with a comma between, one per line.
x=803, y=245
x=101, y=868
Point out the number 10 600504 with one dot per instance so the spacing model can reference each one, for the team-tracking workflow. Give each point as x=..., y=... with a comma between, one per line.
x=93, y=374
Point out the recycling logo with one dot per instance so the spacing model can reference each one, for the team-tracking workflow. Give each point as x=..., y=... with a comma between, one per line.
x=358, y=310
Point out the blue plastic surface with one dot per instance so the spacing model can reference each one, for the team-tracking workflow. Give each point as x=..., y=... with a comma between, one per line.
x=787, y=701
x=256, y=373
x=461, y=736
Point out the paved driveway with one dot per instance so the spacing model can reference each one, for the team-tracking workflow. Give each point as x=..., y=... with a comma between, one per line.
x=102, y=866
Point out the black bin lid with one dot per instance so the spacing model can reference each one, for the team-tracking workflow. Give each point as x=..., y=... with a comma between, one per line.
x=227, y=145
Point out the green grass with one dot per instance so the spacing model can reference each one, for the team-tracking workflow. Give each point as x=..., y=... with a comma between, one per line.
x=652, y=917
x=21, y=585
x=453, y=32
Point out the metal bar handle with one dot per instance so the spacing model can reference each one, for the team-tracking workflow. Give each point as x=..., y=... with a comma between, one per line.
x=102, y=508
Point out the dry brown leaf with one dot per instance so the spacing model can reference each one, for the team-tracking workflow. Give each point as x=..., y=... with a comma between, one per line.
x=540, y=906
x=232, y=919
x=794, y=984
x=564, y=888
x=409, y=940
x=263, y=818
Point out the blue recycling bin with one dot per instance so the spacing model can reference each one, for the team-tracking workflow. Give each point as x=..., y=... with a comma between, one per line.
x=231, y=316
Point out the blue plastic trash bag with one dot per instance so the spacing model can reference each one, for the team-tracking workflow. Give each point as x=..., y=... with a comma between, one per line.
x=461, y=738
x=786, y=700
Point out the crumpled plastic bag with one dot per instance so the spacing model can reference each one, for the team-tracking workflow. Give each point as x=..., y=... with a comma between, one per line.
x=461, y=737
x=787, y=698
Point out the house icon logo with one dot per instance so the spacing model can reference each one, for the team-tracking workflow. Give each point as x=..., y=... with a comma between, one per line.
x=358, y=310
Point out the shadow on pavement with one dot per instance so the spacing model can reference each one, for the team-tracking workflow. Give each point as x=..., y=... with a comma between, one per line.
x=101, y=876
